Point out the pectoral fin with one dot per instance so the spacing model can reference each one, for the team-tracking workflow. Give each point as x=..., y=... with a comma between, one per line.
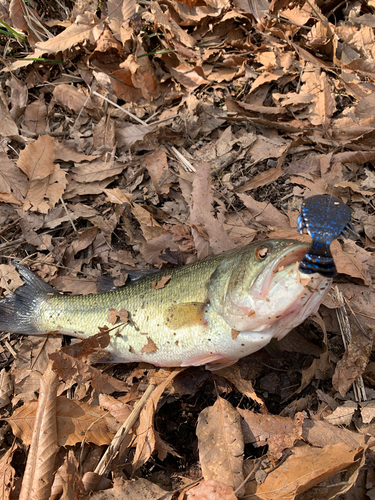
x=185, y=314
x=273, y=348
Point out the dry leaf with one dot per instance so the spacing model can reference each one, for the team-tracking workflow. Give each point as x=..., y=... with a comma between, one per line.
x=157, y=285
x=157, y=165
x=321, y=368
x=40, y=465
x=6, y=387
x=75, y=421
x=36, y=160
x=133, y=489
x=220, y=443
x=211, y=490
x=149, y=347
x=119, y=410
x=265, y=213
x=7, y=472
x=68, y=481
x=200, y=213
x=343, y=414
x=306, y=468
x=353, y=363
x=13, y=183
x=10, y=280
x=233, y=374
x=7, y=126
x=73, y=371
x=146, y=439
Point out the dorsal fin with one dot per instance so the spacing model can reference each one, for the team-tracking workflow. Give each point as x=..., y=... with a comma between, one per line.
x=105, y=283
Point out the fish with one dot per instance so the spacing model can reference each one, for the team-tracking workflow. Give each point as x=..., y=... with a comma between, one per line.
x=211, y=312
x=324, y=218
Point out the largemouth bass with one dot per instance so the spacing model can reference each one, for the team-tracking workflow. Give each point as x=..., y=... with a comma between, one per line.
x=211, y=312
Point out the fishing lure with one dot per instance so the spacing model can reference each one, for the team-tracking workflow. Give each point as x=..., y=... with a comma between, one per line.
x=324, y=218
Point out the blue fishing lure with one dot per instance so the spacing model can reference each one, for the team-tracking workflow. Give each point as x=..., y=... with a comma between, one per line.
x=324, y=218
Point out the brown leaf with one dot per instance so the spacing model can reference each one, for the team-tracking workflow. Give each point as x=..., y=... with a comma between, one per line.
x=349, y=264
x=149, y=347
x=265, y=213
x=6, y=387
x=7, y=126
x=200, y=212
x=127, y=136
x=88, y=346
x=321, y=368
x=211, y=490
x=119, y=410
x=118, y=13
x=353, y=363
x=34, y=351
x=36, y=160
x=157, y=285
x=118, y=197
x=75, y=285
x=146, y=440
x=75, y=371
x=133, y=489
x=43, y=194
x=270, y=175
x=157, y=165
x=35, y=116
x=86, y=28
x=150, y=228
x=38, y=475
x=7, y=472
x=233, y=374
x=319, y=433
x=75, y=421
x=325, y=106
x=220, y=443
x=10, y=280
x=13, y=183
x=71, y=479
x=97, y=170
x=258, y=428
x=306, y=468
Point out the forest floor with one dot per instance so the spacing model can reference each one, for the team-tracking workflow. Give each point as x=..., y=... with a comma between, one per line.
x=140, y=135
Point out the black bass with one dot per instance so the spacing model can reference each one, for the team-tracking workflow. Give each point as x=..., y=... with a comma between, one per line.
x=211, y=312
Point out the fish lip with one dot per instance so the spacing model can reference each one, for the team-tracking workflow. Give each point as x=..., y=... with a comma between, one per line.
x=289, y=256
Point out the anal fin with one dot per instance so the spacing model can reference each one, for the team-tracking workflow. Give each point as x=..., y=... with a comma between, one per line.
x=212, y=361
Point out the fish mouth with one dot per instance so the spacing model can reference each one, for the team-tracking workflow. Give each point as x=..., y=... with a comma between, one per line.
x=289, y=256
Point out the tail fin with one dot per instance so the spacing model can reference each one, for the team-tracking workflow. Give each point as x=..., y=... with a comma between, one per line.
x=318, y=260
x=18, y=310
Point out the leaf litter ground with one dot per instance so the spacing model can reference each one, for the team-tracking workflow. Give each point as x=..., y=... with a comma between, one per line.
x=150, y=134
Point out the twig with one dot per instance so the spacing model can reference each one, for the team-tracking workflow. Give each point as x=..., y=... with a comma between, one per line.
x=185, y=163
x=68, y=214
x=247, y=478
x=164, y=120
x=113, y=448
x=122, y=109
x=11, y=243
x=10, y=349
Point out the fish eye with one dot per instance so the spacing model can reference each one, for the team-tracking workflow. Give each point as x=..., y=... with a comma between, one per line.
x=262, y=252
